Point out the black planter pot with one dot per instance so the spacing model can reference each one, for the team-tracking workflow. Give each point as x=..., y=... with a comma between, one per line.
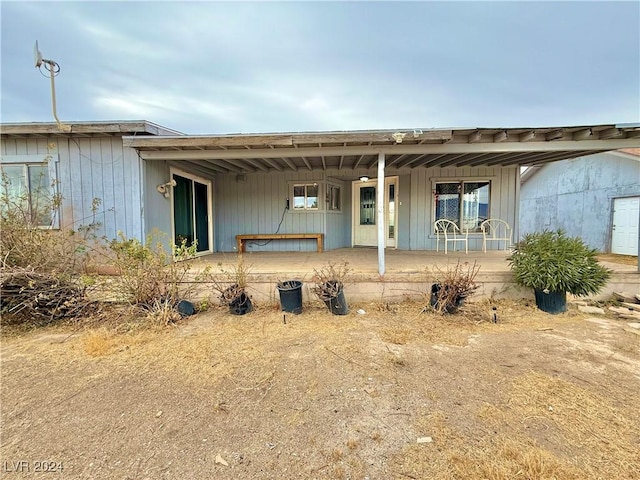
x=338, y=304
x=551, y=302
x=290, y=296
x=241, y=305
x=434, y=302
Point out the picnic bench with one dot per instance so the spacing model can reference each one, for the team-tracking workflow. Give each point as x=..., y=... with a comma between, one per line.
x=241, y=239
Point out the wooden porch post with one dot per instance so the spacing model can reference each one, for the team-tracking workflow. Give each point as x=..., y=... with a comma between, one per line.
x=380, y=203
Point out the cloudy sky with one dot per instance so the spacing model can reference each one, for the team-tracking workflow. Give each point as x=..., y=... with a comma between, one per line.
x=217, y=67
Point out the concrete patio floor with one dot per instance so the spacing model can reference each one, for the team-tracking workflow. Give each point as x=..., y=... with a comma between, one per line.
x=405, y=272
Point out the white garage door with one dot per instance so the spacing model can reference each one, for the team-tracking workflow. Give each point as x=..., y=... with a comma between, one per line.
x=624, y=235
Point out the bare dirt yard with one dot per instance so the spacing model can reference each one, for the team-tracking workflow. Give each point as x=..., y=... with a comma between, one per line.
x=389, y=394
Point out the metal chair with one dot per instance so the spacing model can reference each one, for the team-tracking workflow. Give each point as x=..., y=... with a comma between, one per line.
x=496, y=230
x=450, y=233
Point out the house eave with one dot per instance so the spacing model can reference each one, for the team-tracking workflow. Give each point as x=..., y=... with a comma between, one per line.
x=85, y=129
x=411, y=148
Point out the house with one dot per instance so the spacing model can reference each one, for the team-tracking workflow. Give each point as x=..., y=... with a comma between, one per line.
x=594, y=197
x=376, y=188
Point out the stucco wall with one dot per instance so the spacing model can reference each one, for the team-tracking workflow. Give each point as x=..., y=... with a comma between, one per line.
x=577, y=196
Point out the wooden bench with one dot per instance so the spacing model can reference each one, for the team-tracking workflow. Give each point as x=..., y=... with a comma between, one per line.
x=278, y=236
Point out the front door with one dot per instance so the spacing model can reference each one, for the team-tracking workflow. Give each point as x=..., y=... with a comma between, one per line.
x=624, y=234
x=192, y=212
x=365, y=228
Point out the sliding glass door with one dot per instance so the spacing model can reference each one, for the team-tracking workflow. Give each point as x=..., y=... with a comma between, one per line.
x=192, y=220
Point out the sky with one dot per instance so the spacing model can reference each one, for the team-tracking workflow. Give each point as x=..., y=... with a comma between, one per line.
x=230, y=67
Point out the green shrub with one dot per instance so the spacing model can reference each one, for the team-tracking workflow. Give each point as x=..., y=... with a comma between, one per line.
x=553, y=262
x=149, y=274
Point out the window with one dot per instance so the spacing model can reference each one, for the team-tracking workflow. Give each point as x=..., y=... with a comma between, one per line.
x=305, y=197
x=333, y=198
x=464, y=203
x=28, y=186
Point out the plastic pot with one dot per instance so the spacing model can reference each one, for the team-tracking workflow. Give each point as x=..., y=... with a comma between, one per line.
x=551, y=302
x=290, y=296
x=241, y=305
x=337, y=304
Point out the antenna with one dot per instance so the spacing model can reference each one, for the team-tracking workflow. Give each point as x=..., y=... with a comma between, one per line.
x=53, y=69
x=37, y=55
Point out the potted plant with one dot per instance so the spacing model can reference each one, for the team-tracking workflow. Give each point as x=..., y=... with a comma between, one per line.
x=554, y=264
x=329, y=286
x=452, y=286
x=232, y=285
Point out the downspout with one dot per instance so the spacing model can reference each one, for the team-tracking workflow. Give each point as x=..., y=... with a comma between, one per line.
x=380, y=203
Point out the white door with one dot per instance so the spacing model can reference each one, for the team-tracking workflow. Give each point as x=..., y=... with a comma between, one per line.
x=624, y=234
x=365, y=226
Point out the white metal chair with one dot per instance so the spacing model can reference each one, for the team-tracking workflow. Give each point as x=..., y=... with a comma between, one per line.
x=496, y=230
x=450, y=232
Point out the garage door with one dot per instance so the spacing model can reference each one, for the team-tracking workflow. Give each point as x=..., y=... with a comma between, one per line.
x=624, y=234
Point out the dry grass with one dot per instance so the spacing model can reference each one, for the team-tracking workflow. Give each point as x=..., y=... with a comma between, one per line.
x=548, y=428
x=373, y=372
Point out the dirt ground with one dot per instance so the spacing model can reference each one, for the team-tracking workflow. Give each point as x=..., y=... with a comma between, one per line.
x=389, y=393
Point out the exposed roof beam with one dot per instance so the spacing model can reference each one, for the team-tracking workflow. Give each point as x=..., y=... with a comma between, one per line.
x=555, y=157
x=341, y=158
x=583, y=134
x=357, y=162
x=241, y=164
x=530, y=159
x=560, y=145
x=475, y=137
x=256, y=164
x=411, y=162
x=397, y=159
x=289, y=163
x=271, y=162
x=447, y=162
x=306, y=162
x=514, y=157
x=200, y=168
x=554, y=135
x=219, y=166
x=501, y=136
x=528, y=136
x=373, y=163
x=493, y=156
x=610, y=133
x=480, y=159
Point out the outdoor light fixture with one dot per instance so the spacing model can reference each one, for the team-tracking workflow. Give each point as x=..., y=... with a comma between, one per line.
x=364, y=178
x=163, y=188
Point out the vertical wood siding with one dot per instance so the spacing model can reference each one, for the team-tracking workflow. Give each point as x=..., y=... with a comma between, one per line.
x=90, y=168
x=502, y=201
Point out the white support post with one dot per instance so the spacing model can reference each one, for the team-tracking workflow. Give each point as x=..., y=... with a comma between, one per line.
x=380, y=203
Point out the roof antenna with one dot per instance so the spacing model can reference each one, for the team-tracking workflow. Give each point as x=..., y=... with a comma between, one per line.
x=54, y=69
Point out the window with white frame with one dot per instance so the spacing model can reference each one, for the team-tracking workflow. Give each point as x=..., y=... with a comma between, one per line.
x=305, y=196
x=28, y=186
x=334, y=198
x=466, y=203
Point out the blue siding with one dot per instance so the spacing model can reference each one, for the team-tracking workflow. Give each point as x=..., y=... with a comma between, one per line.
x=91, y=168
x=577, y=196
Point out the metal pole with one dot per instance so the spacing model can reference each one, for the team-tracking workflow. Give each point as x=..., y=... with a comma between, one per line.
x=380, y=202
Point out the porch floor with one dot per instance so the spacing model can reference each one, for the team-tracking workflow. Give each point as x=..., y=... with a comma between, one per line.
x=405, y=271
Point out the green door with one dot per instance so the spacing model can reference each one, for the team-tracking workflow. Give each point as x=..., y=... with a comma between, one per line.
x=191, y=212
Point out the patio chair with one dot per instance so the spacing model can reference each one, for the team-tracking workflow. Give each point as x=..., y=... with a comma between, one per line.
x=450, y=232
x=496, y=230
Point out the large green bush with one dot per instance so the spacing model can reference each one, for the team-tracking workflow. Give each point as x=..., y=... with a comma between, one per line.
x=551, y=261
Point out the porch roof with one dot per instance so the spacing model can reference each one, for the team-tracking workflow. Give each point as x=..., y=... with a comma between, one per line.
x=403, y=148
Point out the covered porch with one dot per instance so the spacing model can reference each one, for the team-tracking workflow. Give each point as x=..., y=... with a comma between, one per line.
x=405, y=277
x=383, y=189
